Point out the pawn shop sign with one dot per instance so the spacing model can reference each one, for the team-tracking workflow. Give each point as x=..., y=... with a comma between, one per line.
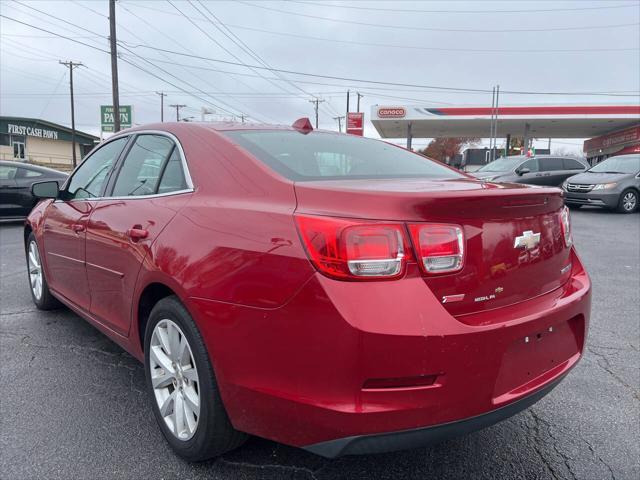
x=106, y=117
x=355, y=123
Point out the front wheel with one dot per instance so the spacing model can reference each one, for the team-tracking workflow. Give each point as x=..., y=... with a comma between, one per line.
x=40, y=293
x=628, y=202
x=182, y=386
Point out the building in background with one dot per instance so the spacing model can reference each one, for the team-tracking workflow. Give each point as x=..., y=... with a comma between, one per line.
x=619, y=142
x=41, y=142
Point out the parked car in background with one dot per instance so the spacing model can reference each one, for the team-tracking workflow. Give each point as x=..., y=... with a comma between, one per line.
x=16, y=178
x=613, y=183
x=546, y=170
x=327, y=291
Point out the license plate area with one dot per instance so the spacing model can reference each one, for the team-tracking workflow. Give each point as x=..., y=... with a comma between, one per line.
x=530, y=357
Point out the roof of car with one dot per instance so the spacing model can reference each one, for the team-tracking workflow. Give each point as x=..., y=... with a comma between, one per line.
x=31, y=166
x=216, y=126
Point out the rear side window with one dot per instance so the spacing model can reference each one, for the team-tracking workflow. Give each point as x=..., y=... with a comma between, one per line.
x=318, y=156
x=571, y=164
x=30, y=173
x=89, y=178
x=142, y=168
x=550, y=164
x=173, y=179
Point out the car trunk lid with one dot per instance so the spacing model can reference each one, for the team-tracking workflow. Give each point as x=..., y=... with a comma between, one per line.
x=498, y=269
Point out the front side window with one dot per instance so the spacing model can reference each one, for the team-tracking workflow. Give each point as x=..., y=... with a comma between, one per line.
x=504, y=164
x=322, y=156
x=532, y=165
x=88, y=180
x=7, y=173
x=551, y=164
x=141, y=171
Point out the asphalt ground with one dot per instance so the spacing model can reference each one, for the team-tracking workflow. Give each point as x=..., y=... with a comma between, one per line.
x=72, y=403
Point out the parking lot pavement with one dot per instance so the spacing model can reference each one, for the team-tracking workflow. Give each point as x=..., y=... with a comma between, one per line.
x=72, y=402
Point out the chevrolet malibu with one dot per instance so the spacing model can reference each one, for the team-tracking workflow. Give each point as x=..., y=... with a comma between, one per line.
x=326, y=291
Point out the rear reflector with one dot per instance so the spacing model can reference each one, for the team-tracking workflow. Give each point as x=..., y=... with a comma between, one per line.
x=440, y=247
x=352, y=249
x=401, y=382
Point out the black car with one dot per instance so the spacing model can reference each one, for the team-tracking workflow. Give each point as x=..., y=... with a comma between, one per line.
x=16, y=178
x=613, y=183
x=546, y=170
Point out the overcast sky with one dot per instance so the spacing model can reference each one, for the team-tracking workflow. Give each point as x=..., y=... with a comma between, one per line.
x=532, y=46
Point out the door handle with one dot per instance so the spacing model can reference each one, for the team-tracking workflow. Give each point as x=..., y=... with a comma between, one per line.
x=78, y=227
x=137, y=233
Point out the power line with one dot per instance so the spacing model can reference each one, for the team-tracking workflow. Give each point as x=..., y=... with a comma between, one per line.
x=433, y=29
x=409, y=10
x=165, y=34
x=406, y=46
x=126, y=61
x=377, y=82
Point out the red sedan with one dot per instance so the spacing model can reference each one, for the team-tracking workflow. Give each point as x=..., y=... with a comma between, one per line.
x=326, y=291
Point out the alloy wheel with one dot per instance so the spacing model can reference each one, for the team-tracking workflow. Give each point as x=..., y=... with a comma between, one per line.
x=174, y=378
x=629, y=201
x=35, y=270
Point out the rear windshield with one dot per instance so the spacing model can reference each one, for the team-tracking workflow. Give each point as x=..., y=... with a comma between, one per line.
x=325, y=156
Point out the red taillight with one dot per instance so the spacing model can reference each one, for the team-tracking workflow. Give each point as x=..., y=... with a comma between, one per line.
x=440, y=247
x=352, y=249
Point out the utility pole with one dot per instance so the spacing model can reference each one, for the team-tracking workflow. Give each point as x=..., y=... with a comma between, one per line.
x=339, y=119
x=242, y=117
x=347, y=102
x=114, y=65
x=177, y=107
x=317, y=102
x=71, y=65
x=162, y=95
x=359, y=96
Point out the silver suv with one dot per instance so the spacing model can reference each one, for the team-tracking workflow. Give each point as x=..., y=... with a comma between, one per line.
x=613, y=183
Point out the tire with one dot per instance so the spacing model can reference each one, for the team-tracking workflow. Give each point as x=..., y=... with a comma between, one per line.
x=212, y=434
x=628, y=202
x=574, y=206
x=38, y=286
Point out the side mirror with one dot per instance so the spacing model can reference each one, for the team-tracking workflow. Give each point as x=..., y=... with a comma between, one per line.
x=48, y=189
x=522, y=171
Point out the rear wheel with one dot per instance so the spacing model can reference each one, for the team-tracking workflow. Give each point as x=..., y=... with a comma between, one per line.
x=37, y=281
x=182, y=386
x=628, y=202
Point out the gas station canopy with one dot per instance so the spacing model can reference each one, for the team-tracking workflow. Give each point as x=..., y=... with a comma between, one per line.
x=541, y=121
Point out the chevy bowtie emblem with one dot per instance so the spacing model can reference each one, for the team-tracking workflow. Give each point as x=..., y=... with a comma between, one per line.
x=528, y=240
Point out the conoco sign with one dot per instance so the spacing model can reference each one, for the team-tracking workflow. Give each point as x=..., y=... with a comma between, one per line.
x=391, y=112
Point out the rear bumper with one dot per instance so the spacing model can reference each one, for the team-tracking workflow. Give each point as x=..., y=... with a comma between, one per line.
x=598, y=198
x=299, y=374
x=420, y=437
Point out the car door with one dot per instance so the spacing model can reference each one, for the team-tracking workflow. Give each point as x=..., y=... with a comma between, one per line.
x=531, y=177
x=147, y=189
x=552, y=171
x=65, y=222
x=25, y=177
x=9, y=206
